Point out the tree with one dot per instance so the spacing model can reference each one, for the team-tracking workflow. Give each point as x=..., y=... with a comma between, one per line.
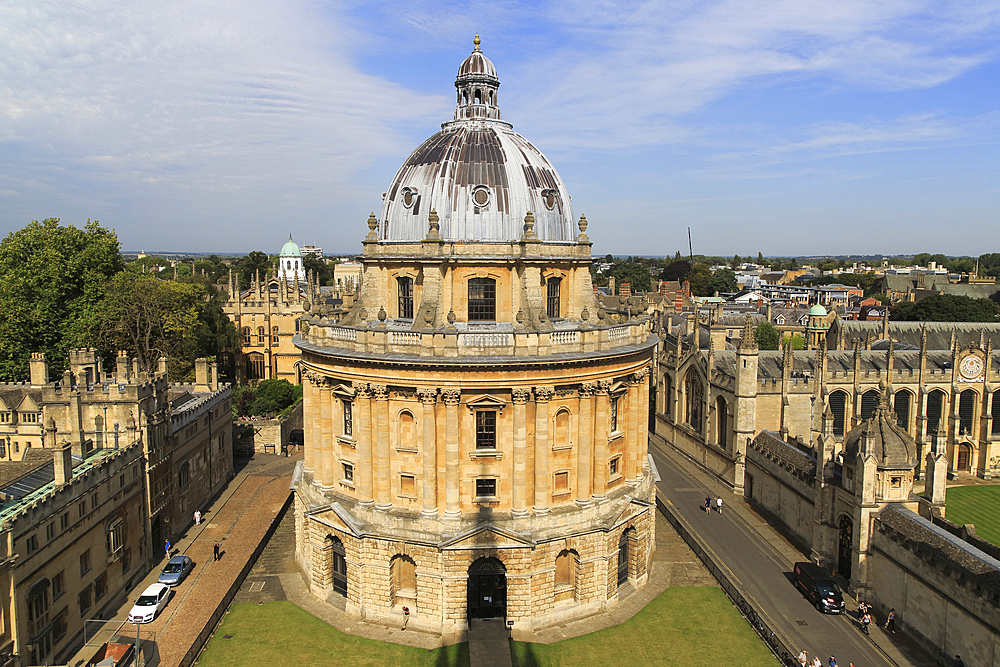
x=796, y=340
x=634, y=273
x=254, y=264
x=52, y=280
x=322, y=271
x=676, y=270
x=989, y=264
x=269, y=396
x=766, y=335
x=700, y=278
x=946, y=308
x=723, y=280
x=150, y=318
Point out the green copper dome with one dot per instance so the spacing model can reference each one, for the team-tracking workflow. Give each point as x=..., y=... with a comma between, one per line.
x=817, y=310
x=290, y=249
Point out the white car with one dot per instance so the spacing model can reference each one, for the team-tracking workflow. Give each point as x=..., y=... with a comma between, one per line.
x=150, y=603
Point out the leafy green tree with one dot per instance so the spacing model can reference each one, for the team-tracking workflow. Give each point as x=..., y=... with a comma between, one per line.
x=766, y=335
x=255, y=263
x=52, y=280
x=723, y=280
x=318, y=268
x=634, y=273
x=150, y=318
x=268, y=396
x=700, y=277
x=676, y=270
x=796, y=340
x=989, y=264
x=946, y=308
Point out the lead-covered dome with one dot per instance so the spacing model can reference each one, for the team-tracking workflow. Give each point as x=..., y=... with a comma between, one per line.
x=880, y=436
x=480, y=175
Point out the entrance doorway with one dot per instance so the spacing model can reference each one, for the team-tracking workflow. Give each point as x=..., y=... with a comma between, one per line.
x=846, y=551
x=487, y=588
x=964, y=456
x=338, y=565
x=623, y=555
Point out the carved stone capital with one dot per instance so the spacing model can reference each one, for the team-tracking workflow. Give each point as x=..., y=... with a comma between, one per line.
x=451, y=396
x=427, y=394
x=362, y=390
x=603, y=387
x=381, y=392
x=544, y=394
x=520, y=395
x=640, y=375
x=587, y=389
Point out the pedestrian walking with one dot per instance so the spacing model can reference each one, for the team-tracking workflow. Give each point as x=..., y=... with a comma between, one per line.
x=833, y=661
x=197, y=517
x=890, y=621
x=718, y=504
x=957, y=662
x=216, y=551
x=817, y=662
x=166, y=547
x=803, y=658
x=708, y=504
x=866, y=620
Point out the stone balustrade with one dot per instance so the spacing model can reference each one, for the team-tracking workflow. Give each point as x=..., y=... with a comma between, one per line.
x=475, y=341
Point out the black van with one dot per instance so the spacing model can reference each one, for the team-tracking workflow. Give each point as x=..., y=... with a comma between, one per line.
x=819, y=588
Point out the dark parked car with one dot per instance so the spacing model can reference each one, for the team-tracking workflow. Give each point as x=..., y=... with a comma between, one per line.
x=819, y=588
x=175, y=570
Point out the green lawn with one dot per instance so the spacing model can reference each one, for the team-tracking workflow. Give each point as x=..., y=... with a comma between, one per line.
x=279, y=633
x=978, y=505
x=682, y=626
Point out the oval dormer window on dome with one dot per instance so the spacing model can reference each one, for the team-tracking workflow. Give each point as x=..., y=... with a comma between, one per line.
x=409, y=196
x=549, y=197
x=481, y=197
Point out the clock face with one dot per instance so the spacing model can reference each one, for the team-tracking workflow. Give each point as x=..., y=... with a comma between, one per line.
x=971, y=367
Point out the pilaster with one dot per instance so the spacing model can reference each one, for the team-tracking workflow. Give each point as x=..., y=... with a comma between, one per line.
x=542, y=448
x=585, y=443
x=601, y=432
x=451, y=398
x=363, y=427
x=383, y=466
x=428, y=428
x=519, y=493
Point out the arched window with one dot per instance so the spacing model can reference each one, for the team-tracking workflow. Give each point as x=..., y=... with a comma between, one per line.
x=404, y=579
x=274, y=336
x=901, y=406
x=562, y=429
x=668, y=406
x=624, y=555
x=552, y=298
x=838, y=404
x=482, y=299
x=406, y=430
x=260, y=335
x=966, y=411
x=693, y=396
x=255, y=366
x=722, y=421
x=247, y=334
x=565, y=577
x=935, y=403
x=478, y=96
x=995, y=412
x=869, y=401
x=404, y=287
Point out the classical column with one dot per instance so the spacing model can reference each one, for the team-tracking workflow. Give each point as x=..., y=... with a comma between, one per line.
x=632, y=429
x=310, y=420
x=602, y=428
x=428, y=398
x=585, y=443
x=542, y=448
x=643, y=439
x=326, y=450
x=383, y=467
x=452, y=508
x=520, y=504
x=363, y=440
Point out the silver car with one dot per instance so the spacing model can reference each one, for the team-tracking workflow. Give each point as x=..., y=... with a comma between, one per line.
x=175, y=570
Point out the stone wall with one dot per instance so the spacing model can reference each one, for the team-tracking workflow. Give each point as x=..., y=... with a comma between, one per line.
x=268, y=432
x=782, y=487
x=946, y=593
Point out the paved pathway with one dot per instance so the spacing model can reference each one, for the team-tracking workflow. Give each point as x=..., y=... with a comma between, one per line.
x=239, y=519
x=761, y=560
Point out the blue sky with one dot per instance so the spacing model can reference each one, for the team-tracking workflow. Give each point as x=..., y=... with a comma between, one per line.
x=789, y=127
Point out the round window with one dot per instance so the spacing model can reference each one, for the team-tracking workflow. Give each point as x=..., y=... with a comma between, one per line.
x=481, y=196
x=550, y=199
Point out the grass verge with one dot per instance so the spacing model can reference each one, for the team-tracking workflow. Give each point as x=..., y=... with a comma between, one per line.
x=977, y=505
x=279, y=633
x=687, y=627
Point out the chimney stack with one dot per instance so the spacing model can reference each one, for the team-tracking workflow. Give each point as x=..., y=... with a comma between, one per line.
x=63, y=463
x=39, y=368
x=201, y=375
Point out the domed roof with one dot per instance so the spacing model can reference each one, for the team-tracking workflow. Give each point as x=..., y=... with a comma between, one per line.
x=290, y=249
x=478, y=174
x=880, y=436
x=477, y=64
x=817, y=310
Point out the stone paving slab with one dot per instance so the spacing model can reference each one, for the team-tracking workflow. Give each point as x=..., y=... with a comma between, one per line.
x=239, y=519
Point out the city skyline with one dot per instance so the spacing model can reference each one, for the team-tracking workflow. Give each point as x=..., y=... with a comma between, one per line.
x=783, y=128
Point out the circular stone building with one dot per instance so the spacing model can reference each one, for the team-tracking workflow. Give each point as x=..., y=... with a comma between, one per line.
x=475, y=426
